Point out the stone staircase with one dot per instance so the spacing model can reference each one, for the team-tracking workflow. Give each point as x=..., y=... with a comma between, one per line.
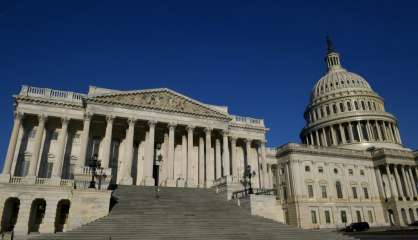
x=183, y=213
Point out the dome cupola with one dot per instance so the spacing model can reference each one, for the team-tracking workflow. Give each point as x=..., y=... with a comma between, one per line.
x=344, y=111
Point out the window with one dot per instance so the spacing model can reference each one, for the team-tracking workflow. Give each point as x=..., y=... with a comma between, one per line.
x=369, y=105
x=307, y=169
x=313, y=217
x=356, y=105
x=76, y=138
x=348, y=106
x=310, y=191
x=334, y=108
x=339, y=190
x=363, y=106
x=335, y=171
x=324, y=191
x=327, y=217
x=342, y=107
x=366, y=193
x=358, y=214
x=328, y=111
x=320, y=169
x=343, y=217
x=54, y=135
x=350, y=171
x=354, y=189
x=370, y=213
x=362, y=172
x=32, y=133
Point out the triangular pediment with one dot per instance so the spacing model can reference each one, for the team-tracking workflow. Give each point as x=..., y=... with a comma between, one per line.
x=161, y=99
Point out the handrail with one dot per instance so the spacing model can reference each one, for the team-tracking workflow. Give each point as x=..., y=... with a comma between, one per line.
x=256, y=191
x=51, y=94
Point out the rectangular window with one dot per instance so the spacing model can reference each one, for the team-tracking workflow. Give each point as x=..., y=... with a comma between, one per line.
x=366, y=193
x=327, y=217
x=354, y=192
x=370, y=213
x=350, y=171
x=358, y=214
x=324, y=191
x=313, y=217
x=310, y=191
x=320, y=169
x=343, y=217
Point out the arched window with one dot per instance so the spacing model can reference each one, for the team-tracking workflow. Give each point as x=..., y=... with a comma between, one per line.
x=334, y=108
x=363, y=106
x=339, y=189
x=342, y=107
x=356, y=105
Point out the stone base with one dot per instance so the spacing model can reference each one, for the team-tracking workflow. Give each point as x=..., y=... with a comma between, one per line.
x=171, y=183
x=126, y=180
x=181, y=182
x=149, y=181
x=55, y=181
x=191, y=183
x=4, y=178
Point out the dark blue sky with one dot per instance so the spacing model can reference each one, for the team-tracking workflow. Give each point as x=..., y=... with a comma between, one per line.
x=261, y=58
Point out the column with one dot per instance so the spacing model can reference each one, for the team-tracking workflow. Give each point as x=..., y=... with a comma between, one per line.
x=218, y=158
x=264, y=177
x=57, y=166
x=369, y=131
x=360, y=132
x=191, y=162
x=210, y=169
x=126, y=178
x=84, y=141
x=149, y=161
x=201, y=162
x=290, y=190
x=334, y=136
x=48, y=222
x=413, y=183
x=405, y=179
x=234, y=159
x=398, y=182
x=184, y=159
x=324, y=137
x=171, y=182
x=350, y=132
x=342, y=134
x=37, y=145
x=399, y=134
x=317, y=138
x=225, y=155
x=12, y=143
x=379, y=133
x=389, y=180
x=311, y=137
x=247, y=152
x=107, y=141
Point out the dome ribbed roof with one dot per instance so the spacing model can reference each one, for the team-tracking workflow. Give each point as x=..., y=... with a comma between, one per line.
x=339, y=79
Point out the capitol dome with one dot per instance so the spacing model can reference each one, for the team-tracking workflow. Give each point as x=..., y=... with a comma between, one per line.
x=344, y=111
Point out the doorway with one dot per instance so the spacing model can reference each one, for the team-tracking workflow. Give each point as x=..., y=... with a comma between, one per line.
x=10, y=214
x=63, y=208
x=155, y=174
x=37, y=213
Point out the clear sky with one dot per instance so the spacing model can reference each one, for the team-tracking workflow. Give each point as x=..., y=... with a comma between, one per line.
x=261, y=58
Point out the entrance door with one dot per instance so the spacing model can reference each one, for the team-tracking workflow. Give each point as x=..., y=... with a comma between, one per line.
x=155, y=174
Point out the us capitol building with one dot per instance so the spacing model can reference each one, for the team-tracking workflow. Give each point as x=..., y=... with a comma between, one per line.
x=350, y=166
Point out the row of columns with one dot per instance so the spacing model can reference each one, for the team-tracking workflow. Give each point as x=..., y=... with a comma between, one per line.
x=223, y=156
x=404, y=184
x=375, y=131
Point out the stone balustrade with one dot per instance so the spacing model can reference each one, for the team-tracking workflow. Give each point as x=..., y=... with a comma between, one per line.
x=48, y=93
x=247, y=120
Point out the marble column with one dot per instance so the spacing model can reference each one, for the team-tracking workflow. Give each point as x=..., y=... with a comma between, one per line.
x=191, y=161
x=210, y=168
x=57, y=166
x=264, y=177
x=225, y=155
x=317, y=138
x=171, y=182
x=12, y=143
x=248, y=155
x=334, y=136
x=201, y=162
x=360, y=132
x=411, y=191
x=84, y=141
x=37, y=145
x=324, y=137
x=149, y=161
x=350, y=132
x=184, y=165
x=218, y=164
x=343, y=140
x=48, y=221
x=398, y=182
x=389, y=181
x=235, y=171
x=126, y=178
x=413, y=183
x=107, y=141
x=405, y=179
x=311, y=137
x=399, y=134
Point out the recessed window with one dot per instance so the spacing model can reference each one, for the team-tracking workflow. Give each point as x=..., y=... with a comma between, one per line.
x=366, y=193
x=310, y=191
x=356, y=105
x=320, y=169
x=342, y=107
x=350, y=171
x=362, y=172
x=343, y=217
x=324, y=191
x=327, y=217
x=348, y=106
x=334, y=108
x=335, y=171
x=354, y=189
x=339, y=190
x=307, y=169
x=313, y=217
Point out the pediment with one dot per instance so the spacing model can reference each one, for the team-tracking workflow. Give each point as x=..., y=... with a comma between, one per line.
x=161, y=100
